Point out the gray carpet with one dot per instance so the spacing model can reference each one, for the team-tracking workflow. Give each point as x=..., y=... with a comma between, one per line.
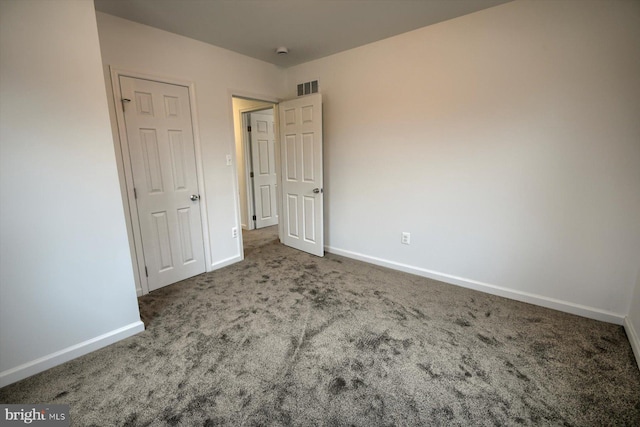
x=285, y=338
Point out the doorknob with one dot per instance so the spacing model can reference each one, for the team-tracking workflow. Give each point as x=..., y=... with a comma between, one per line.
x=317, y=190
x=195, y=197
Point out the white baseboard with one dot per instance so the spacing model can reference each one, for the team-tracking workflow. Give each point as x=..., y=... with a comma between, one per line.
x=565, y=306
x=49, y=361
x=225, y=262
x=632, y=334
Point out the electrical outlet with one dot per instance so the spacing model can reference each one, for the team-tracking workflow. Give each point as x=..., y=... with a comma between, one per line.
x=228, y=159
x=406, y=238
x=234, y=232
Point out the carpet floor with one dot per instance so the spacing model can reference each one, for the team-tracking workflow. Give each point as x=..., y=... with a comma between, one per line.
x=286, y=338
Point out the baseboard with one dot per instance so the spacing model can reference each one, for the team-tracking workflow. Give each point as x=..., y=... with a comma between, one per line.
x=54, y=359
x=565, y=306
x=632, y=334
x=225, y=262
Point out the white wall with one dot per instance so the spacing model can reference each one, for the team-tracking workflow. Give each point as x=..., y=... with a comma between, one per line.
x=508, y=142
x=66, y=282
x=632, y=322
x=505, y=141
x=217, y=74
x=241, y=105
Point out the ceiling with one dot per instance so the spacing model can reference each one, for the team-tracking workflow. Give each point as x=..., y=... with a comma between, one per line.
x=311, y=29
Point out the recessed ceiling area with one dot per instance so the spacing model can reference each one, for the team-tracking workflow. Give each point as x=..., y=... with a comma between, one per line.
x=310, y=29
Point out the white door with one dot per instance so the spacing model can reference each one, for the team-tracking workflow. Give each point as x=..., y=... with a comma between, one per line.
x=301, y=154
x=263, y=160
x=161, y=147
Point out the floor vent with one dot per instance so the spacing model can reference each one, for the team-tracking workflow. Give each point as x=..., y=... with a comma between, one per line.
x=307, y=88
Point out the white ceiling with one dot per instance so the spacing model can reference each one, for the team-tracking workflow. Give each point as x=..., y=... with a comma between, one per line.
x=311, y=29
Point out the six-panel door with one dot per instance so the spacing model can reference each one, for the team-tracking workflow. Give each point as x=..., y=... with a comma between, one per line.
x=161, y=148
x=302, y=180
x=264, y=169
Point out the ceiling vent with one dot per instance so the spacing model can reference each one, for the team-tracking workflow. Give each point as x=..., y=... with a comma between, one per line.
x=307, y=88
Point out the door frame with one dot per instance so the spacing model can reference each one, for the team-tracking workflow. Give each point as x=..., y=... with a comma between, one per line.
x=237, y=93
x=125, y=173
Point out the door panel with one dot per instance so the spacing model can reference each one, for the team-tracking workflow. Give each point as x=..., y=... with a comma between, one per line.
x=160, y=231
x=292, y=208
x=161, y=148
x=267, y=209
x=309, y=207
x=302, y=179
x=264, y=169
x=176, y=143
x=307, y=157
x=290, y=160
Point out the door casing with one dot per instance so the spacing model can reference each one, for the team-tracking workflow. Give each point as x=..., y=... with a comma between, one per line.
x=126, y=174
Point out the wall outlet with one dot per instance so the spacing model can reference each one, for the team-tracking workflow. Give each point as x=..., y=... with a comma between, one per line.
x=229, y=160
x=406, y=238
x=234, y=232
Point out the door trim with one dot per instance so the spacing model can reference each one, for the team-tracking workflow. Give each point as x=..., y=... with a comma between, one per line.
x=124, y=171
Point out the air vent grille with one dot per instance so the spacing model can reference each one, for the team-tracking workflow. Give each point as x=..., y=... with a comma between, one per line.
x=307, y=88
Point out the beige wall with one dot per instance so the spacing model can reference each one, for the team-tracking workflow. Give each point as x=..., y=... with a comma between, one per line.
x=505, y=141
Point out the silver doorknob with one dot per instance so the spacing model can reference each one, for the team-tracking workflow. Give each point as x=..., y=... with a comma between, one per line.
x=195, y=197
x=317, y=190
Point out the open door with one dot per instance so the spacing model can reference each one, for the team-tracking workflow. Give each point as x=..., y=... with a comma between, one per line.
x=302, y=212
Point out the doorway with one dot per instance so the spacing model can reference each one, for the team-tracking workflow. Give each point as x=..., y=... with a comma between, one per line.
x=247, y=160
x=299, y=169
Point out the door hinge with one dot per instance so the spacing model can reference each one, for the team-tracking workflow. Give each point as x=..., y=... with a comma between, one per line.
x=135, y=193
x=124, y=100
x=251, y=174
x=248, y=128
x=254, y=218
x=146, y=272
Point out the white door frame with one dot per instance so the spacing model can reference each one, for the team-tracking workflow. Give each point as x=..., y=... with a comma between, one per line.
x=236, y=93
x=124, y=164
